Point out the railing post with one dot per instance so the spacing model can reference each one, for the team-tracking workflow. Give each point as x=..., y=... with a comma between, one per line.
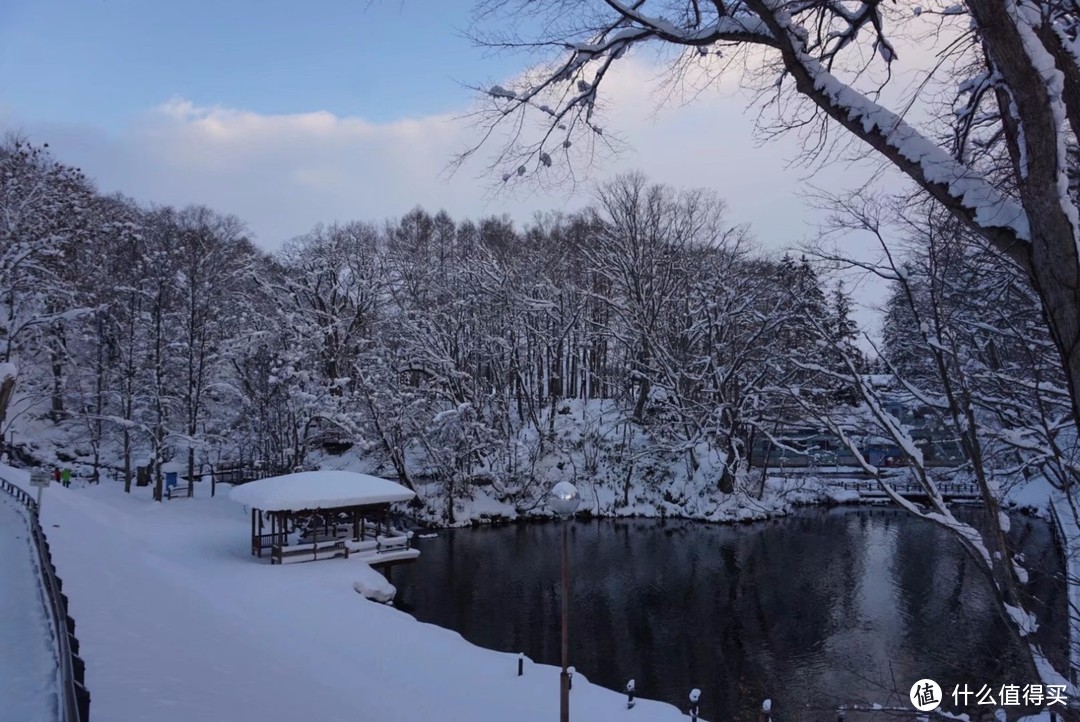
x=82, y=698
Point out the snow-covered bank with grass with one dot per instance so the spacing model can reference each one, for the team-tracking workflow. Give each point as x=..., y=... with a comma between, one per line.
x=29, y=671
x=179, y=623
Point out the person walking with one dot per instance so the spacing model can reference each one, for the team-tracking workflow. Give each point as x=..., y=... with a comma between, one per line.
x=56, y=474
x=65, y=478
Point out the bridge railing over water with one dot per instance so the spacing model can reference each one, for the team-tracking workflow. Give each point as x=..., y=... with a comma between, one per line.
x=74, y=698
x=907, y=486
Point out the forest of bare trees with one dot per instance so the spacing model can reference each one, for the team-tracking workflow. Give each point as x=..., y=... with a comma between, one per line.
x=434, y=348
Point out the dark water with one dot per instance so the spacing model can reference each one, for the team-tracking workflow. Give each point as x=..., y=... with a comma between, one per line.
x=815, y=610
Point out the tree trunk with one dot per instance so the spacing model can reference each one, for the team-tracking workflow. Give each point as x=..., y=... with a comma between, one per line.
x=127, y=461
x=643, y=389
x=190, y=472
x=7, y=390
x=57, y=362
x=1054, y=265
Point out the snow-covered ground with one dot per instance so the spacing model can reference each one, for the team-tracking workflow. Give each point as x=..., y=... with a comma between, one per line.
x=29, y=673
x=177, y=622
x=1038, y=495
x=1069, y=534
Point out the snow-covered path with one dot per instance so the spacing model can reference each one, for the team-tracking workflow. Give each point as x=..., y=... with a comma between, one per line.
x=29, y=687
x=177, y=622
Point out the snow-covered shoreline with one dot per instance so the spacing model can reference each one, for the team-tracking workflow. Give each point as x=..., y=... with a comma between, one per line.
x=783, y=497
x=179, y=623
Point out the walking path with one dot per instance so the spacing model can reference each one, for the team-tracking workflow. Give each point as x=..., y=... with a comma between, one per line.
x=29, y=674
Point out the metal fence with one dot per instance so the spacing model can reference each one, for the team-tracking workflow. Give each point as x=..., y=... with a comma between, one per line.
x=75, y=698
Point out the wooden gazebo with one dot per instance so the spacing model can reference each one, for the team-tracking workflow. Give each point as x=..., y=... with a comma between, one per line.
x=323, y=514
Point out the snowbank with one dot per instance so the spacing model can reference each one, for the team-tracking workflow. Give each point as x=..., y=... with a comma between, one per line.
x=843, y=496
x=373, y=585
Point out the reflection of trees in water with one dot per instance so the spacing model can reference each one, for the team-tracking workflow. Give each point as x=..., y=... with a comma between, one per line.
x=1034, y=539
x=801, y=610
x=953, y=632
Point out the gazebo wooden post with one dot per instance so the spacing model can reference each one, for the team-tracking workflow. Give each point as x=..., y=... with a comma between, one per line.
x=363, y=523
x=356, y=523
x=254, y=535
x=260, y=531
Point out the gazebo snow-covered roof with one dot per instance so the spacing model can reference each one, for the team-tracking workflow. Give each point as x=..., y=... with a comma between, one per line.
x=310, y=490
x=320, y=514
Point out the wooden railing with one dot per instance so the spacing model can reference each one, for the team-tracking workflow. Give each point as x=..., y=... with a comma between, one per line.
x=243, y=472
x=75, y=698
x=945, y=488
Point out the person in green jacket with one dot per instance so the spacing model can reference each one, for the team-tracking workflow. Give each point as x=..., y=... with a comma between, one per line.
x=65, y=477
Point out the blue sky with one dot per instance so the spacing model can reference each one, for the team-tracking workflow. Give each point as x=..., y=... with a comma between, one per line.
x=105, y=61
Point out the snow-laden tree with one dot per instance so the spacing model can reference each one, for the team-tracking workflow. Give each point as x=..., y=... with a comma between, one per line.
x=124, y=277
x=44, y=208
x=1000, y=164
x=974, y=327
x=99, y=362
x=975, y=377
x=213, y=277
x=641, y=251
x=161, y=374
x=333, y=285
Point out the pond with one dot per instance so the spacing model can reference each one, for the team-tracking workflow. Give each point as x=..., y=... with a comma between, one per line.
x=814, y=610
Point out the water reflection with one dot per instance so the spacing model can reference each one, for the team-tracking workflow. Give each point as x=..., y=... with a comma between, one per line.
x=814, y=610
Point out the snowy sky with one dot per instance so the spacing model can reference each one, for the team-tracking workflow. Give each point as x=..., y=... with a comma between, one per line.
x=287, y=114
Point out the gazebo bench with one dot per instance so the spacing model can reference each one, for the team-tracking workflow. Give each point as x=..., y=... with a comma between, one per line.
x=279, y=553
x=393, y=543
x=341, y=532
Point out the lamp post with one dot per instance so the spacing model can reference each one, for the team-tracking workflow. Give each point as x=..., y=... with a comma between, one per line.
x=564, y=500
